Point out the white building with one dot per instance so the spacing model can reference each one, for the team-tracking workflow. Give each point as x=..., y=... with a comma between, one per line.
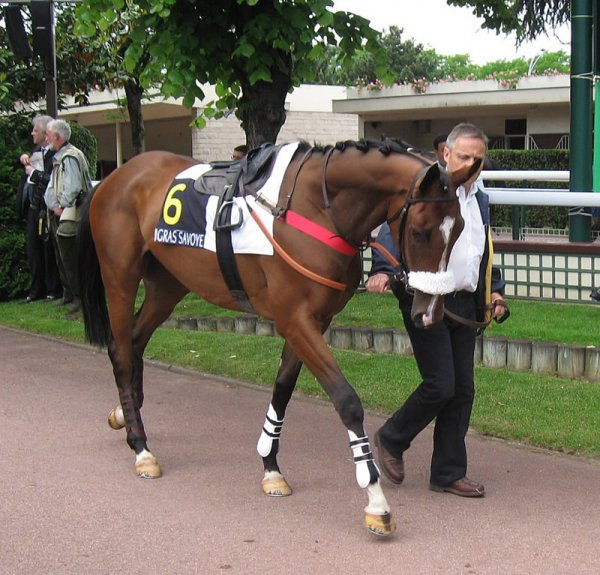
x=533, y=113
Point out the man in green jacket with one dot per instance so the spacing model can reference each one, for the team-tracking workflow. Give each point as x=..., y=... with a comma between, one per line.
x=69, y=182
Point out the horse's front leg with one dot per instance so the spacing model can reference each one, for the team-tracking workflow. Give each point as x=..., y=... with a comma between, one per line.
x=311, y=348
x=274, y=483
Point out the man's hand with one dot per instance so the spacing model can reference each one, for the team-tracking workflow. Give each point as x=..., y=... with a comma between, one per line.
x=499, y=307
x=378, y=283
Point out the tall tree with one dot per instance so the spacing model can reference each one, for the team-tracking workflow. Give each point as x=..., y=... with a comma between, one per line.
x=115, y=35
x=253, y=51
x=528, y=18
x=84, y=63
x=406, y=60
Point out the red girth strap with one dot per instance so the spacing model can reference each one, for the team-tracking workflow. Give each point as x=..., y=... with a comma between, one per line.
x=318, y=232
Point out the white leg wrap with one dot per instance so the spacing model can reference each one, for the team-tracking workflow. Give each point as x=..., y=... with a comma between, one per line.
x=270, y=433
x=361, y=451
x=378, y=504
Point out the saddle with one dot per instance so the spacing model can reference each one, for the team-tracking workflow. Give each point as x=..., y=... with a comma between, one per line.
x=228, y=180
x=246, y=175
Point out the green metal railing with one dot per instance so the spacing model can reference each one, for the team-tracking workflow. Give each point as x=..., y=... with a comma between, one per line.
x=549, y=276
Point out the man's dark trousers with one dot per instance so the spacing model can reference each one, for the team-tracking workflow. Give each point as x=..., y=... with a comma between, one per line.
x=445, y=357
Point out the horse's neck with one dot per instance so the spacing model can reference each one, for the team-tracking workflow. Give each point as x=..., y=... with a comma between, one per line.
x=362, y=189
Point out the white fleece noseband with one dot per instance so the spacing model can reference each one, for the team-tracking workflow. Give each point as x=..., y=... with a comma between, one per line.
x=437, y=283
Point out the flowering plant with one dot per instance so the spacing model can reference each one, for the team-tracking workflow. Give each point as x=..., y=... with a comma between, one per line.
x=375, y=86
x=420, y=85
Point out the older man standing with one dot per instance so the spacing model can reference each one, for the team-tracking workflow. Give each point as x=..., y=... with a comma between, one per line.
x=445, y=352
x=40, y=251
x=69, y=182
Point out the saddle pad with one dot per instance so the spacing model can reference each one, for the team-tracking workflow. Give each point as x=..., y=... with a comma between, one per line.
x=270, y=189
x=187, y=217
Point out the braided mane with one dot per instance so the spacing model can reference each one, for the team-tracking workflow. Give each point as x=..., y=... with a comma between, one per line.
x=386, y=146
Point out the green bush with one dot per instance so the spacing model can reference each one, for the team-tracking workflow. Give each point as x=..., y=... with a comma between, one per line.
x=14, y=272
x=555, y=217
x=83, y=139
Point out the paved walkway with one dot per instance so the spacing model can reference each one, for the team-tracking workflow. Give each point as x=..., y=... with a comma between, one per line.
x=70, y=503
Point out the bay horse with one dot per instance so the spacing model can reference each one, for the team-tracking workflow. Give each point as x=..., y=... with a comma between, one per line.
x=346, y=190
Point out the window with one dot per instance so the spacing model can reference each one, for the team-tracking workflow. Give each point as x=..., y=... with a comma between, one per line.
x=516, y=132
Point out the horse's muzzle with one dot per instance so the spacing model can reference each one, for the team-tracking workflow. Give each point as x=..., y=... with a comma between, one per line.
x=427, y=309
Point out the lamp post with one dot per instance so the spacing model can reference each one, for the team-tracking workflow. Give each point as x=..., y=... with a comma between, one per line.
x=44, y=45
x=582, y=116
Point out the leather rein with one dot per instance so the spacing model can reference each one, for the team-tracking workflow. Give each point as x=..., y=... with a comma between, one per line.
x=482, y=324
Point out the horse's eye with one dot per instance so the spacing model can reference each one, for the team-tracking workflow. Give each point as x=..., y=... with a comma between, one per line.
x=420, y=236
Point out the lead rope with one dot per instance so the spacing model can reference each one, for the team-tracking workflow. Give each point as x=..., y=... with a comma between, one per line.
x=481, y=324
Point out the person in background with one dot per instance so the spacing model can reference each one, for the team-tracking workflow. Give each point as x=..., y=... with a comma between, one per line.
x=45, y=282
x=439, y=145
x=69, y=181
x=239, y=152
x=445, y=352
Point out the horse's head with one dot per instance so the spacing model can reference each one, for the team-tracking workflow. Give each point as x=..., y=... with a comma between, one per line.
x=429, y=226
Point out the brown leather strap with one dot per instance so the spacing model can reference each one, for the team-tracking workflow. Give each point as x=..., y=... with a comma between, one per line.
x=481, y=324
x=293, y=263
x=386, y=254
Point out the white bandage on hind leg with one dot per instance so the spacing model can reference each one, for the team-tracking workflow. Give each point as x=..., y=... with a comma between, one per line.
x=361, y=451
x=270, y=433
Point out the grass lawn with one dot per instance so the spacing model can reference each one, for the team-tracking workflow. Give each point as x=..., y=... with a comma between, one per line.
x=535, y=409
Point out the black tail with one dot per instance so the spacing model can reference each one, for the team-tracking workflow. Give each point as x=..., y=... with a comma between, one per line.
x=93, y=297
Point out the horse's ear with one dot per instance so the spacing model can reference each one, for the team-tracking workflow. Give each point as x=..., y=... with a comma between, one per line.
x=431, y=175
x=459, y=177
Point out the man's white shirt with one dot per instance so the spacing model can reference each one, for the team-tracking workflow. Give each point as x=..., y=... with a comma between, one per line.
x=467, y=252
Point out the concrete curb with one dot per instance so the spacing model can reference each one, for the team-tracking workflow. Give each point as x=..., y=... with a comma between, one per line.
x=562, y=360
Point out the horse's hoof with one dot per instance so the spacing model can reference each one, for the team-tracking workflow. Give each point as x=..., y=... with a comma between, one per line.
x=114, y=421
x=148, y=468
x=382, y=525
x=276, y=486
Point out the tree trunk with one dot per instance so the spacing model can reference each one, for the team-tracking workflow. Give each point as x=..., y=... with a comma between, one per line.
x=262, y=109
x=134, y=93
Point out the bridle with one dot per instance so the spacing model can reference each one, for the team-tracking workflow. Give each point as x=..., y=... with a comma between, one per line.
x=402, y=215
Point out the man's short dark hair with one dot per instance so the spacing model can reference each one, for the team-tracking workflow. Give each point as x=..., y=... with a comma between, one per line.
x=241, y=148
x=439, y=140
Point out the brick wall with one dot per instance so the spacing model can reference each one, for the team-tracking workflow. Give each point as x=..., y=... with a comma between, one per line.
x=217, y=140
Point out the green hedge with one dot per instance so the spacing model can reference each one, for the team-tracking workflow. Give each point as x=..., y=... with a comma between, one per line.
x=535, y=216
x=15, y=138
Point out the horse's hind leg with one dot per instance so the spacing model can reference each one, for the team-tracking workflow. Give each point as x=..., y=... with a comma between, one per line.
x=163, y=292
x=274, y=483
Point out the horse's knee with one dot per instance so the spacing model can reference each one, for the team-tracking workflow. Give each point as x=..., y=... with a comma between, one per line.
x=349, y=408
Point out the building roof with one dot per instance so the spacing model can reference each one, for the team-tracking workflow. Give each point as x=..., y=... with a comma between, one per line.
x=448, y=99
